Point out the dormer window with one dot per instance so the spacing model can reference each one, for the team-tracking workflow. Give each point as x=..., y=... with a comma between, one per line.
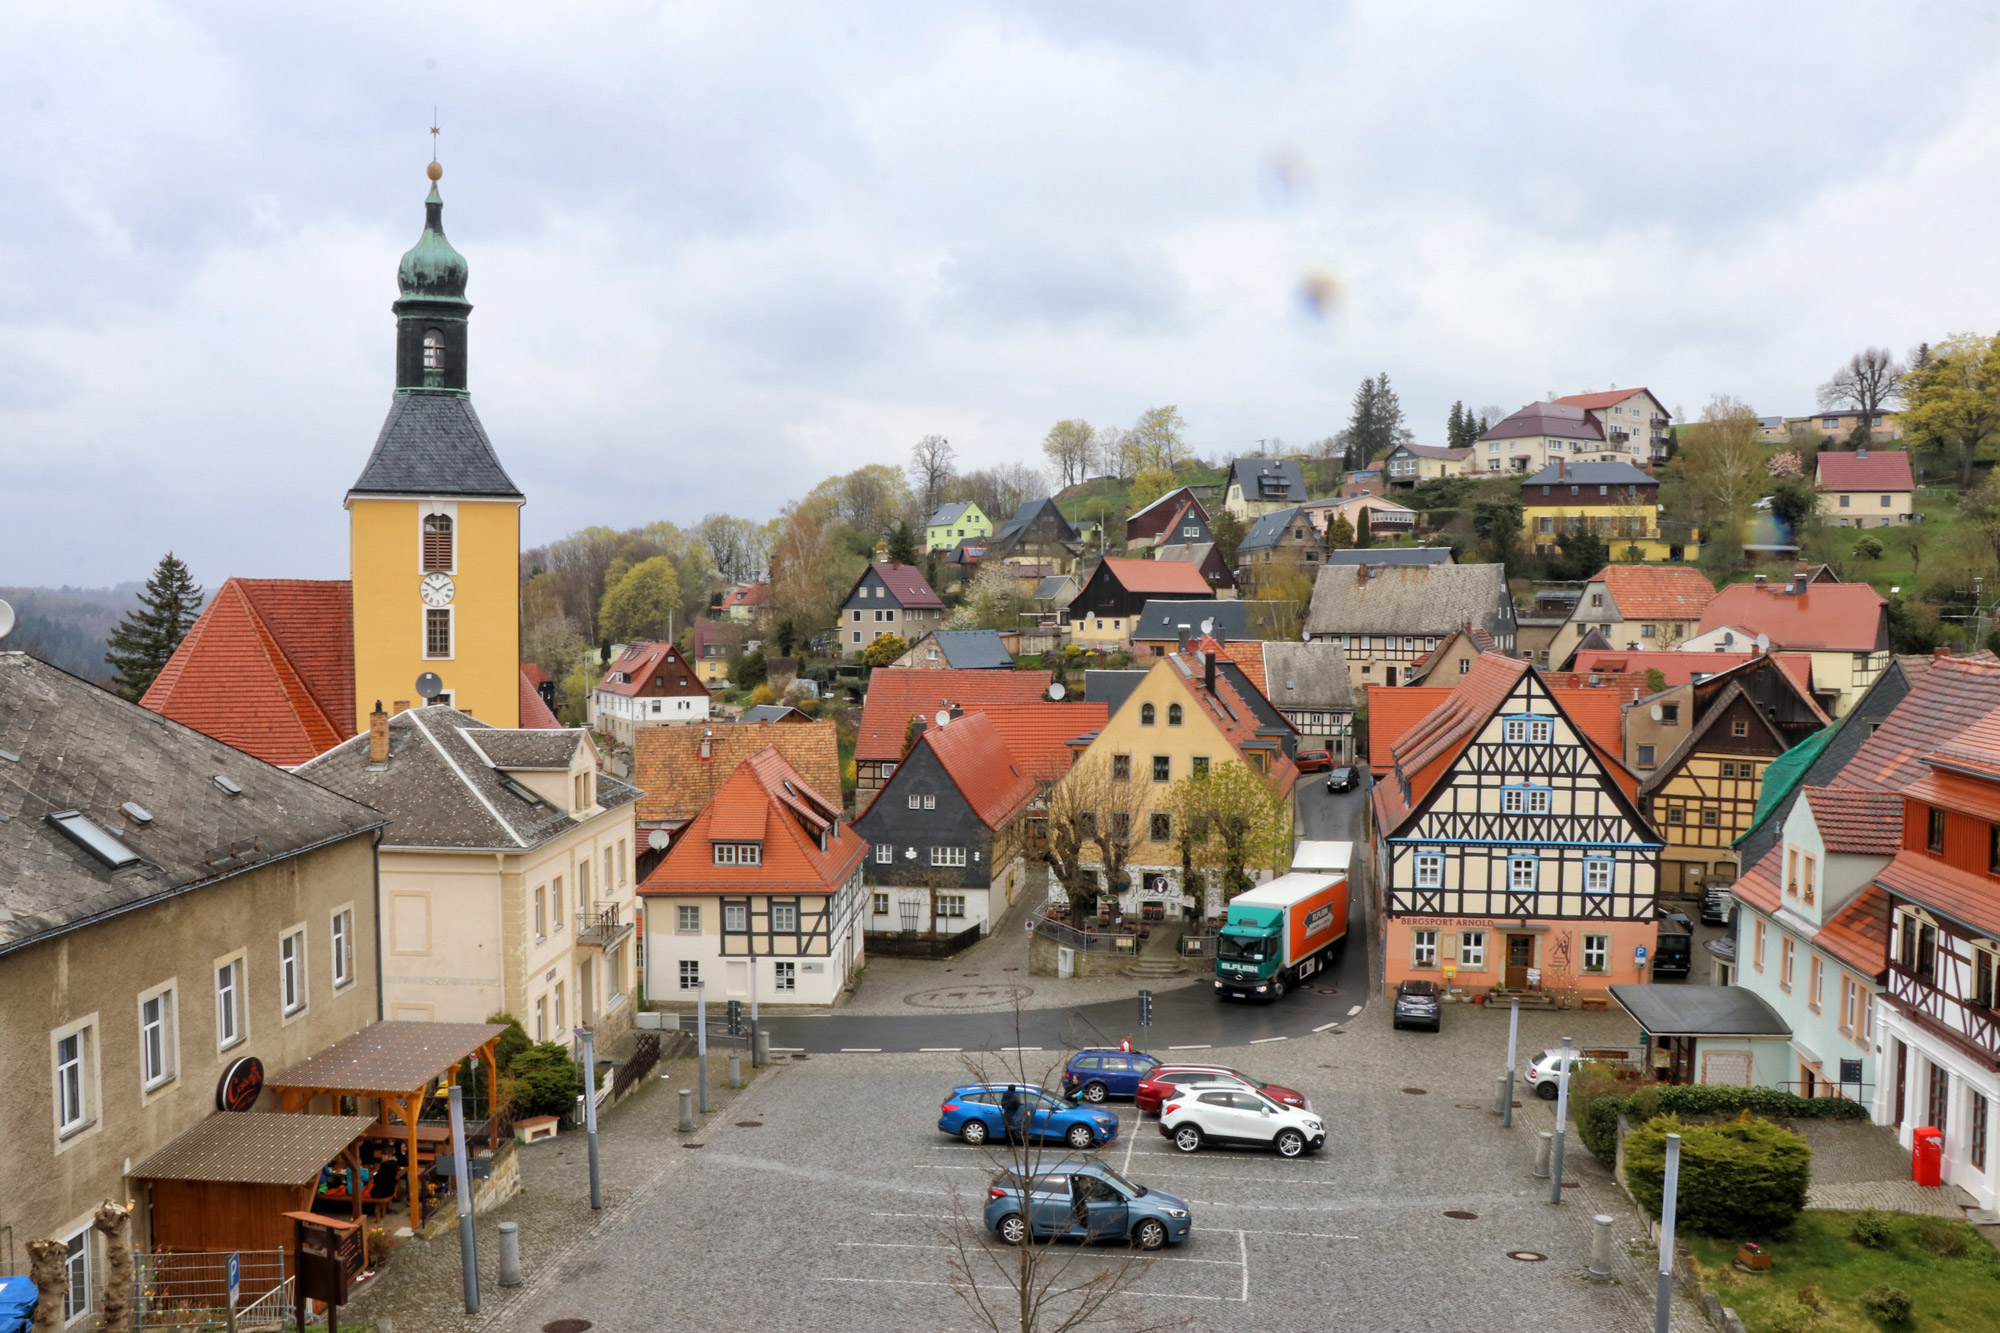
x=739, y=853
x=438, y=546
x=583, y=790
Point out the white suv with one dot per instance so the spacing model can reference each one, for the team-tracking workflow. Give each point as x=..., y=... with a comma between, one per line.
x=1545, y=1074
x=1200, y=1113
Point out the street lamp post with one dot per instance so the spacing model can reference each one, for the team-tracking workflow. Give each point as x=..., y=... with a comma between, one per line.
x=1562, y=1123
x=1663, y=1300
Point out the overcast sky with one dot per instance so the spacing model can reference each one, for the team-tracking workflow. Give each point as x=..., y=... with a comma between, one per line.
x=720, y=252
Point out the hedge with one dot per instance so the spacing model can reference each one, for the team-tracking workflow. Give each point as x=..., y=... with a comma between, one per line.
x=1742, y=1178
x=1599, y=1101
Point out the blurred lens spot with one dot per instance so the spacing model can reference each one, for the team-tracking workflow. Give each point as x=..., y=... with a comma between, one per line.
x=1320, y=292
x=1289, y=176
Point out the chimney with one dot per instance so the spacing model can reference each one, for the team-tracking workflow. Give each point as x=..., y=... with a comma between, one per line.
x=1939, y=653
x=400, y=706
x=1861, y=453
x=956, y=712
x=378, y=735
x=1759, y=578
x=1208, y=672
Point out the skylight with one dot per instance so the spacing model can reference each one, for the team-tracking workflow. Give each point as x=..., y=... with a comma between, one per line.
x=223, y=781
x=138, y=812
x=97, y=841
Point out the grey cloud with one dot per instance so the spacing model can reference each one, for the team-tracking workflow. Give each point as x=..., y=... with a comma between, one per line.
x=1049, y=283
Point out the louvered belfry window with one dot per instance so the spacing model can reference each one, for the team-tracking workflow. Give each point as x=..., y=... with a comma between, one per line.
x=437, y=542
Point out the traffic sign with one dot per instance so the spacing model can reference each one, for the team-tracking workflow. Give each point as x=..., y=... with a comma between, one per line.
x=235, y=1277
x=735, y=1018
x=1145, y=1008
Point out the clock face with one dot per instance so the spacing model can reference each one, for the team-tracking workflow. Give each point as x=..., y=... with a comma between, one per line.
x=437, y=589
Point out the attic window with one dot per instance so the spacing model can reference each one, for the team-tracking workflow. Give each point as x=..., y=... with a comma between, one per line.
x=97, y=841
x=518, y=789
x=137, y=812
x=739, y=853
x=229, y=787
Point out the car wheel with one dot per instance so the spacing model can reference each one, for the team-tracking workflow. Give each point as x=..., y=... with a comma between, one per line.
x=1546, y=1091
x=1149, y=1234
x=1012, y=1229
x=974, y=1132
x=1094, y=1091
x=1187, y=1138
x=1277, y=988
x=1289, y=1143
x=1079, y=1136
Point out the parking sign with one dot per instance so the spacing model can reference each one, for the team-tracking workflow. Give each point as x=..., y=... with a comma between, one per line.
x=235, y=1277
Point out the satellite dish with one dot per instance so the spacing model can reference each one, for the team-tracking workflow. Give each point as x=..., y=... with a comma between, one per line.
x=1305, y=636
x=6, y=619
x=1057, y=691
x=1208, y=626
x=1728, y=639
x=943, y=716
x=429, y=686
x=1658, y=712
x=658, y=839
x=1763, y=643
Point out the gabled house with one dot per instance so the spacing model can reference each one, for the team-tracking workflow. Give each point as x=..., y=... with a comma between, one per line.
x=948, y=830
x=1278, y=543
x=742, y=604
x=1868, y=488
x=1386, y=518
x=953, y=522
x=1408, y=464
x=650, y=685
x=1206, y=557
x=1534, y=437
x=677, y=769
x=711, y=645
x=888, y=599
x=1055, y=592
x=1036, y=534
x=1108, y=605
x=1613, y=500
x=760, y=897
x=1636, y=607
x=897, y=697
x=1388, y=618
x=1845, y=626
x=1165, y=625
x=1176, y=517
x=1657, y=722
x=1452, y=660
x=1363, y=481
x=1511, y=849
x=1310, y=685
x=958, y=650
x=1256, y=486
x=1633, y=420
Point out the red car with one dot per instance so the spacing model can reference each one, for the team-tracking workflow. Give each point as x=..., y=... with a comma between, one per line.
x=1313, y=761
x=1157, y=1086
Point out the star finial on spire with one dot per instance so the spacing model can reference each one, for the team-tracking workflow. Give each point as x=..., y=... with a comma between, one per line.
x=434, y=170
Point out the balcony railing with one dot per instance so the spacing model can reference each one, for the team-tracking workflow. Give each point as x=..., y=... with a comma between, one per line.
x=603, y=925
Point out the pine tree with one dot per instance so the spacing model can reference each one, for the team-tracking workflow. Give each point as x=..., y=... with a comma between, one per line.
x=903, y=545
x=1454, y=426
x=147, y=637
x=1361, y=427
x=1389, y=425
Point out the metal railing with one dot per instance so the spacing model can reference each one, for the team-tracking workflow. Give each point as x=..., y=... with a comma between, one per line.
x=601, y=925
x=1826, y=1087
x=645, y=1054
x=191, y=1291
x=1084, y=941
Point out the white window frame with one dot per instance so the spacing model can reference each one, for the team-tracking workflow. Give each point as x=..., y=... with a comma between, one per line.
x=450, y=614
x=1597, y=874
x=1472, y=949
x=885, y=854
x=916, y=801
x=951, y=905
x=79, y=1298
x=230, y=1027
x=294, y=983
x=341, y=935
x=784, y=918
x=159, y=1037
x=785, y=976
x=687, y=918
x=736, y=917
x=1423, y=948
x=1513, y=800
x=947, y=856
x=1514, y=731
x=879, y=905
x=1430, y=870
x=1598, y=947
x=83, y=1032
x=1533, y=866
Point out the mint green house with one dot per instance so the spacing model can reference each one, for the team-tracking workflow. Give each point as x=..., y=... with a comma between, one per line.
x=954, y=521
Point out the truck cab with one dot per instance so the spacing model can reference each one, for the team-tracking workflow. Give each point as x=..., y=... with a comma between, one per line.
x=1248, y=951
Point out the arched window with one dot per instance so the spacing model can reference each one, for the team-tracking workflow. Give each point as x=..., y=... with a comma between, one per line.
x=433, y=350
x=437, y=542
x=1146, y=715
x=1173, y=715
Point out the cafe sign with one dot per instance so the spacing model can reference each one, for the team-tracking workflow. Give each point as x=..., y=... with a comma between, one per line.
x=240, y=1085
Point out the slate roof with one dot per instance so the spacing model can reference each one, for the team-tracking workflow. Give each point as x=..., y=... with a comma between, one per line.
x=1054, y=586
x=675, y=781
x=1269, y=530
x=1439, y=451
x=1253, y=473
x=1111, y=688
x=980, y=765
x=949, y=512
x=772, y=713
x=1176, y=621
x=907, y=586
x=764, y=799
x=973, y=649
x=1864, y=470
x=1828, y=617
x=1582, y=472
x=1029, y=511
x=432, y=444
x=443, y=784
x=267, y=668
x=1038, y=735
x=1700, y=1011
x=896, y=694
x=1165, y=577
x=66, y=745
x=1306, y=675
x=1390, y=555
x=1536, y=419
x=1404, y=599
x=1868, y=823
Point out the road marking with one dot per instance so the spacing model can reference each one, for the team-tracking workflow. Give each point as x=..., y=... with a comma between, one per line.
x=1324, y=1026
x=861, y=1050
x=1079, y=1254
x=784, y=1050
x=1131, y=1142
x=1201, y=1047
x=1355, y=1010
x=1259, y=1041
x=1005, y=1049
x=1315, y=1235
x=938, y=1050
x=1243, y=1248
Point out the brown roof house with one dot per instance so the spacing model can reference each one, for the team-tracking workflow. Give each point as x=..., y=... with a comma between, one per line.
x=650, y=685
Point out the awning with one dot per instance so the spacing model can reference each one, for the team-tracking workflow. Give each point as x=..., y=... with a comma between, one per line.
x=255, y=1149
x=388, y=1057
x=1700, y=1011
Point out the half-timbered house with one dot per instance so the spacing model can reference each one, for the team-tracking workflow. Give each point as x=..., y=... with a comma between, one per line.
x=1511, y=848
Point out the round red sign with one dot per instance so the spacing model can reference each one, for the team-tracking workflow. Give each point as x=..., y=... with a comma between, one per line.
x=240, y=1085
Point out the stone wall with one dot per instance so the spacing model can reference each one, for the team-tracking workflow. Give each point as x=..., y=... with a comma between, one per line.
x=1107, y=963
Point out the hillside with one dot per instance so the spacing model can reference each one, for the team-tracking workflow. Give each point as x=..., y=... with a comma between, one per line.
x=68, y=627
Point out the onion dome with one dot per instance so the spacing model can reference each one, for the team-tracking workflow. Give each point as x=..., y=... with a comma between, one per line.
x=431, y=270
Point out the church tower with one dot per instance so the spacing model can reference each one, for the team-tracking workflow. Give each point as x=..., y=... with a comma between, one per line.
x=434, y=522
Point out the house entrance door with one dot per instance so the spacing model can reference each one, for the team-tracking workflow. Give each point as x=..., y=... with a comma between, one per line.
x=1389, y=675
x=1902, y=1081
x=1520, y=957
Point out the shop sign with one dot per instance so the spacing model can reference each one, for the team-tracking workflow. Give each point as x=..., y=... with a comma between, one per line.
x=240, y=1085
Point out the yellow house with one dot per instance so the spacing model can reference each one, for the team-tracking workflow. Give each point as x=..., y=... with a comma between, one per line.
x=1703, y=795
x=434, y=522
x=1613, y=499
x=954, y=521
x=1868, y=488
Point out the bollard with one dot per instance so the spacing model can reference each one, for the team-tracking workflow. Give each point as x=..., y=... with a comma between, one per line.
x=735, y=1068
x=1600, y=1249
x=1544, y=1145
x=510, y=1254
x=1500, y=1097
x=763, y=1048
x=687, y=1111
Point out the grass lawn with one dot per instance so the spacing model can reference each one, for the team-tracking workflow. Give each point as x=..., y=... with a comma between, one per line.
x=1957, y=1294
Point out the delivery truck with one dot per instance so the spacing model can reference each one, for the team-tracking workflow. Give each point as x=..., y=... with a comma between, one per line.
x=1278, y=934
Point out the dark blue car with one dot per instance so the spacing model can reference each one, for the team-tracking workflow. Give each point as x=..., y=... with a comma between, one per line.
x=1094, y=1075
x=977, y=1112
x=1087, y=1200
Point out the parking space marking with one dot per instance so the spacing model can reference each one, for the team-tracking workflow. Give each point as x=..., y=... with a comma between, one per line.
x=861, y=1050
x=1315, y=1235
x=939, y=1050
x=1324, y=1026
x=1355, y=1010
x=1259, y=1041
x=1004, y=1249
x=1023, y=1049
x=1178, y=1175
x=782, y=1050
x=1199, y=1046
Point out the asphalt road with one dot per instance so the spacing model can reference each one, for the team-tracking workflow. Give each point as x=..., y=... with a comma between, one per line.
x=1190, y=1016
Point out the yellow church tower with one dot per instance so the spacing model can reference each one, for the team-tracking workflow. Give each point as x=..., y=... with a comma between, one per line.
x=434, y=522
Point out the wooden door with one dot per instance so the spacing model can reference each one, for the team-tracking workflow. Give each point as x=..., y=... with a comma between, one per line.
x=1902, y=1081
x=1520, y=957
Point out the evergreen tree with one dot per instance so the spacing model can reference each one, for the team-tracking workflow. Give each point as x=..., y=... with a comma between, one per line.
x=1364, y=533
x=1388, y=416
x=1361, y=430
x=903, y=545
x=1454, y=426
x=1339, y=534
x=147, y=637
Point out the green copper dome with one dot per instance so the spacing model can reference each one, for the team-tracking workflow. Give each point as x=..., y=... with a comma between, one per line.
x=431, y=270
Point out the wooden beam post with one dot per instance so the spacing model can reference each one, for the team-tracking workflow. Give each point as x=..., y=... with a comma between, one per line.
x=490, y=1053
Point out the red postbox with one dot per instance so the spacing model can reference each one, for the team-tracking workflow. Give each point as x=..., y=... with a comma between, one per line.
x=1927, y=1156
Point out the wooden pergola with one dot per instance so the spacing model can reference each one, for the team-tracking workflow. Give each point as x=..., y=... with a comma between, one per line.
x=396, y=1063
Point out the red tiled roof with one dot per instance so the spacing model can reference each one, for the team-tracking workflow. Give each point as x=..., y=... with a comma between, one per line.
x=1859, y=936
x=1162, y=577
x=763, y=800
x=1758, y=886
x=981, y=767
x=1680, y=668
x=1038, y=734
x=1656, y=592
x=534, y=713
x=896, y=694
x=907, y=585
x=1949, y=697
x=641, y=662
x=1598, y=713
x=1973, y=749
x=1956, y=893
x=1608, y=398
x=1950, y=791
x=1429, y=747
x=1829, y=617
x=268, y=669
x=1392, y=711
x=1874, y=470
x=1869, y=823
x=535, y=675
x=1625, y=685
x=749, y=595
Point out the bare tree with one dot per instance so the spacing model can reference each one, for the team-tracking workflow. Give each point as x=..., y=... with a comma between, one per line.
x=48, y=1269
x=1100, y=808
x=1003, y=488
x=1725, y=464
x=930, y=470
x=1070, y=445
x=1865, y=384
x=735, y=545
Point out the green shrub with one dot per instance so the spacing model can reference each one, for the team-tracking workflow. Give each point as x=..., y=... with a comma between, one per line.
x=1945, y=1239
x=1812, y=1297
x=1791, y=1319
x=1599, y=1128
x=1889, y=1305
x=1868, y=548
x=547, y=1081
x=512, y=1042
x=1747, y=1177
x=1871, y=1227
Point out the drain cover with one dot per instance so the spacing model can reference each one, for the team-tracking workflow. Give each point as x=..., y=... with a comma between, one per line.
x=1418, y=1092
x=1461, y=1215
x=798, y=1055
x=749, y=1124
x=694, y=1145
x=1526, y=1256
x=1329, y=990
x=566, y=1326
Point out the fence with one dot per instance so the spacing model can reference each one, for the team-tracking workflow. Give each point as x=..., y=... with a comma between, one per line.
x=1198, y=946
x=191, y=1291
x=916, y=944
x=645, y=1054
x=1083, y=941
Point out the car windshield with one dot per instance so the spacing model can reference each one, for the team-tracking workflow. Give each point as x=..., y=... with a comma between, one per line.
x=1243, y=948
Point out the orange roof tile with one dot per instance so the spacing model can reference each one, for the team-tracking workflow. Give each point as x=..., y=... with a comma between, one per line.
x=535, y=713
x=676, y=781
x=1656, y=592
x=1680, y=668
x=1868, y=823
x=1959, y=894
x=981, y=767
x=268, y=668
x=1608, y=398
x=1758, y=886
x=1859, y=936
x=1949, y=697
x=1392, y=711
x=897, y=694
x=1231, y=712
x=535, y=675
x=1831, y=617
x=1973, y=749
x=1625, y=685
x=643, y=662
x=1952, y=791
x=1161, y=577
x=763, y=799
x=1598, y=713
x=1038, y=734
x=1872, y=470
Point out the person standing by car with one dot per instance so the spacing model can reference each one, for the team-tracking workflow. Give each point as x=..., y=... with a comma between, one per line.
x=1010, y=1114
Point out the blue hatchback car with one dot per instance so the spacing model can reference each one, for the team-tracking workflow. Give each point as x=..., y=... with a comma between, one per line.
x=1092, y=1076
x=1087, y=1200
x=977, y=1113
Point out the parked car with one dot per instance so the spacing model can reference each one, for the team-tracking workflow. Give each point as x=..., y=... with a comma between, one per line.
x=976, y=1113
x=1313, y=761
x=1344, y=778
x=1545, y=1073
x=1417, y=1005
x=1673, y=952
x=1716, y=900
x=1157, y=1086
x=1229, y=1113
x=1087, y=1200
x=1093, y=1075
